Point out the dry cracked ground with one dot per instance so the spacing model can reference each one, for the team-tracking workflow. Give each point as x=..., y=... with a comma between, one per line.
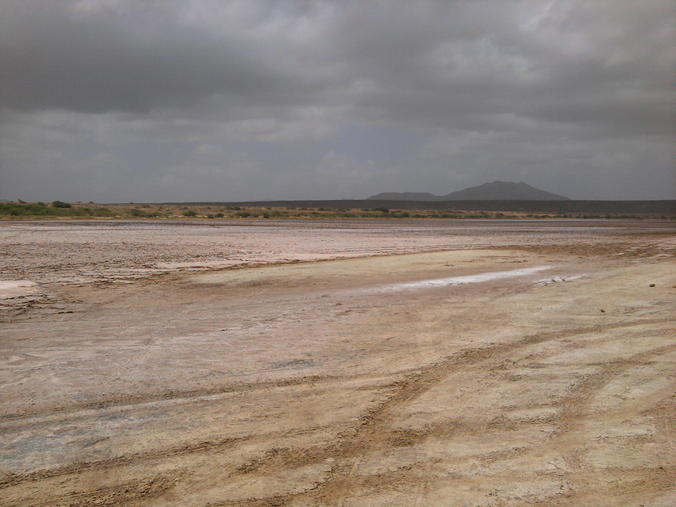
x=401, y=363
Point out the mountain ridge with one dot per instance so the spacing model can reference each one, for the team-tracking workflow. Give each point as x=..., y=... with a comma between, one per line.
x=493, y=191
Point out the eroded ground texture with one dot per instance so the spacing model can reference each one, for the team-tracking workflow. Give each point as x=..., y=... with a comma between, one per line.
x=490, y=363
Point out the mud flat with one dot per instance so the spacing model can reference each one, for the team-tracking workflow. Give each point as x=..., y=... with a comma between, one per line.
x=485, y=363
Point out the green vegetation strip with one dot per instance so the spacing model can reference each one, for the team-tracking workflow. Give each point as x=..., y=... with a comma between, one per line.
x=61, y=209
x=57, y=209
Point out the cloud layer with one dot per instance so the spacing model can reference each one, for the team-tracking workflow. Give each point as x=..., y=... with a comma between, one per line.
x=120, y=100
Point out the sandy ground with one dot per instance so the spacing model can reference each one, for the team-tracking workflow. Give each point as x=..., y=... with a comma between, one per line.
x=85, y=251
x=508, y=364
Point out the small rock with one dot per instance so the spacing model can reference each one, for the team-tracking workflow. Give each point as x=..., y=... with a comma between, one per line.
x=652, y=285
x=602, y=310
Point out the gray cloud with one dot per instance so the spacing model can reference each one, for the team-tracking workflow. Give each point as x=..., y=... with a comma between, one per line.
x=205, y=100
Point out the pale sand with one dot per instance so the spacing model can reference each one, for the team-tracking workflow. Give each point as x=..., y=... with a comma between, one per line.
x=292, y=384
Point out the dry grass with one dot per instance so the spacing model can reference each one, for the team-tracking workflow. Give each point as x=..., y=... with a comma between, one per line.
x=80, y=210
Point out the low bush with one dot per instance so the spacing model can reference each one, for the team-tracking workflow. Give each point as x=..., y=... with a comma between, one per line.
x=135, y=212
x=41, y=209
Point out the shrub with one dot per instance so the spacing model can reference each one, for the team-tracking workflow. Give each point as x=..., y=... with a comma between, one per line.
x=135, y=212
x=40, y=209
x=102, y=212
x=60, y=204
x=189, y=213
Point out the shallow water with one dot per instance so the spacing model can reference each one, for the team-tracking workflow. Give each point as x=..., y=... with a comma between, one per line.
x=457, y=280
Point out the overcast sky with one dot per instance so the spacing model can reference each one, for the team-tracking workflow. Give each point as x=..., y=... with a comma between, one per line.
x=205, y=100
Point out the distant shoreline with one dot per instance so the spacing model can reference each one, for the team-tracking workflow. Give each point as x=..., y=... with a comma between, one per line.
x=343, y=210
x=667, y=207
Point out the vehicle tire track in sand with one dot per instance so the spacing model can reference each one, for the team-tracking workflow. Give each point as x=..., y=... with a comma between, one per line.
x=133, y=401
x=120, y=494
x=372, y=431
x=576, y=414
x=124, y=460
x=375, y=431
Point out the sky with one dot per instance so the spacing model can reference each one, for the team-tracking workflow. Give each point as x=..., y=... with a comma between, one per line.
x=205, y=100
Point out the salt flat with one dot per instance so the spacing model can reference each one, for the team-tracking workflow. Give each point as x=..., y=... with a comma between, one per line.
x=191, y=364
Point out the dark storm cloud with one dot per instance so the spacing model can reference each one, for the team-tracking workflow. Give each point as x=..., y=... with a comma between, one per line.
x=199, y=99
x=134, y=56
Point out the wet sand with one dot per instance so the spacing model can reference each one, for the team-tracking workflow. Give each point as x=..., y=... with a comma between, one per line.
x=501, y=364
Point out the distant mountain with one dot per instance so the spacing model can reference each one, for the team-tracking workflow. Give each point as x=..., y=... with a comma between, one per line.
x=405, y=196
x=495, y=191
x=503, y=191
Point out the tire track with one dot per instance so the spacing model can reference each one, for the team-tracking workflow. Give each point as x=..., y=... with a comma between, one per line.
x=372, y=431
x=187, y=396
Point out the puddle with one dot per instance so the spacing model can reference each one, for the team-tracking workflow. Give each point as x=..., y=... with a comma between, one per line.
x=457, y=280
